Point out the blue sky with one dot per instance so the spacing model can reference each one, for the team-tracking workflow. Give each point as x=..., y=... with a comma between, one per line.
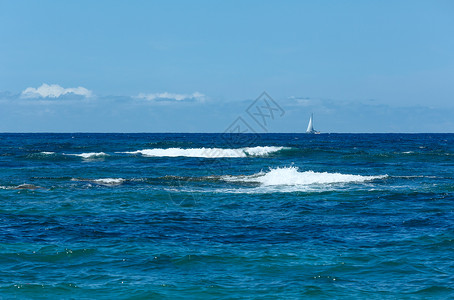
x=195, y=66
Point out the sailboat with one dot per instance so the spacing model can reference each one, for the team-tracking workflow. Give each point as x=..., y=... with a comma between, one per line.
x=310, y=126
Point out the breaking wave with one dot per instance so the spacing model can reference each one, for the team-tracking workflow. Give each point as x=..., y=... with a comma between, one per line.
x=208, y=152
x=47, y=153
x=109, y=181
x=103, y=181
x=290, y=176
x=90, y=155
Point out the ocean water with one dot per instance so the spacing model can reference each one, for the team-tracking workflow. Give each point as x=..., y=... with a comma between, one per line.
x=271, y=216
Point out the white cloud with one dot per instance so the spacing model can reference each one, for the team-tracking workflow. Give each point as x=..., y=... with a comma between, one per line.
x=172, y=96
x=54, y=91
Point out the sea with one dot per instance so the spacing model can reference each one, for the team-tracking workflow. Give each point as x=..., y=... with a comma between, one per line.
x=226, y=216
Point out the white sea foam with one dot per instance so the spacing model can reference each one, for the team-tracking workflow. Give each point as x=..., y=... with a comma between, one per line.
x=47, y=153
x=109, y=181
x=262, y=151
x=208, y=152
x=290, y=176
x=90, y=155
x=102, y=181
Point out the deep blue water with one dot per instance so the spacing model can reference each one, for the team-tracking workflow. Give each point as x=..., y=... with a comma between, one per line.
x=173, y=216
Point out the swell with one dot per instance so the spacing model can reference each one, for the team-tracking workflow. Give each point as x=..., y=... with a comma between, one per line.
x=288, y=152
x=286, y=179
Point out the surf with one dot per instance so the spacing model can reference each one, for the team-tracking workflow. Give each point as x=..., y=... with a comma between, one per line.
x=90, y=155
x=208, y=152
x=291, y=176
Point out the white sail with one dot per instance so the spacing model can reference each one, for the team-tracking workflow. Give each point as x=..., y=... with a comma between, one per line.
x=310, y=127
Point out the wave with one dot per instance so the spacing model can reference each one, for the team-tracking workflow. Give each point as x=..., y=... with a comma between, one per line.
x=208, y=152
x=90, y=155
x=47, y=153
x=24, y=186
x=103, y=181
x=109, y=181
x=276, y=180
x=291, y=176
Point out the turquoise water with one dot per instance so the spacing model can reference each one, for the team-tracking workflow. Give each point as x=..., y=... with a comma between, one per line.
x=172, y=216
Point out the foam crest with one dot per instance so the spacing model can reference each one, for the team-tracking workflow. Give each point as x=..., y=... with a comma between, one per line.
x=109, y=181
x=47, y=153
x=290, y=176
x=262, y=151
x=90, y=155
x=102, y=181
x=208, y=152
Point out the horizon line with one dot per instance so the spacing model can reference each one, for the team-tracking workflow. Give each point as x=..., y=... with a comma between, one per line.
x=181, y=132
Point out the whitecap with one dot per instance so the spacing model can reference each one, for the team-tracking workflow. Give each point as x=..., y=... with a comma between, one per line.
x=90, y=155
x=291, y=176
x=47, y=153
x=102, y=181
x=262, y=151
x=109, y=181
x=208, y=152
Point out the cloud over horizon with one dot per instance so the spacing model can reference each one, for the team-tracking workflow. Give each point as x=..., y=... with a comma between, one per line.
x=54, y=91
x=39, y=110
x=165, y=96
